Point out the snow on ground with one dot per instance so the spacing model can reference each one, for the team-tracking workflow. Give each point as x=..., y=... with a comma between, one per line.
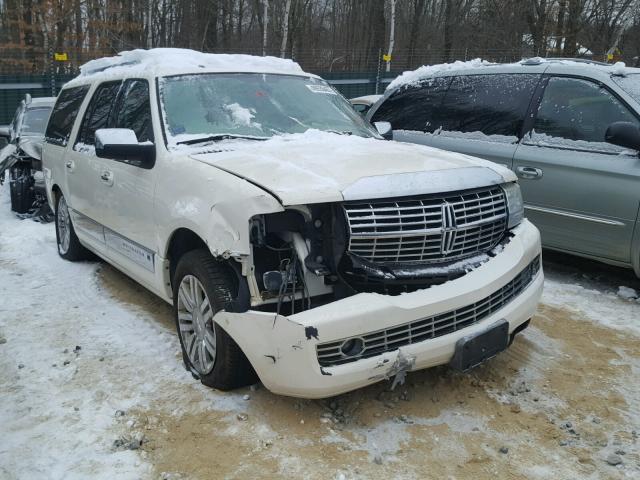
x=53, y=426
x=594, y=305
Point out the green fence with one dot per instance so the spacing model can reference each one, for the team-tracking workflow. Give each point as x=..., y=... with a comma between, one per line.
x=14, y=87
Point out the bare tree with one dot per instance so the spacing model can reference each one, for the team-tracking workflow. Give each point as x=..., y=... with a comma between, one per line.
x=265, y=26
x=285, y=28
x=341, y=35
x=392, y=32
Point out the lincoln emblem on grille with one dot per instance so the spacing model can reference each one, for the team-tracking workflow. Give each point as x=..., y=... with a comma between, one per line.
x=448, y=228
x=427, y=229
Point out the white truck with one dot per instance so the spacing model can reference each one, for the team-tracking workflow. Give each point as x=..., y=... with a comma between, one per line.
x=292, y=240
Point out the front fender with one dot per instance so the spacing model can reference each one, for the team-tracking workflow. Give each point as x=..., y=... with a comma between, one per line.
x=212, y=203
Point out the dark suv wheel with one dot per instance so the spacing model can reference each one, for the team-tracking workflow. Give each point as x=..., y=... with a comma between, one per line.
x=21, y=184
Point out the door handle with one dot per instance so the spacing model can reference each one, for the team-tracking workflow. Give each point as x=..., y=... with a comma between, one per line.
x=69, y=165
x=107, y=177
x=531, y=173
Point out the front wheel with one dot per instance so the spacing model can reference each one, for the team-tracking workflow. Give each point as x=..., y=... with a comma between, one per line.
x=69, y=247
x=202, y=287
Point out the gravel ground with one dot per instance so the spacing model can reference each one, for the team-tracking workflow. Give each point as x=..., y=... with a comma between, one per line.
x=92, y=386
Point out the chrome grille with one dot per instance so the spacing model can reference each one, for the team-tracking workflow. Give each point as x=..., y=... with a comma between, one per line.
x=378, y=342
x=427, y=229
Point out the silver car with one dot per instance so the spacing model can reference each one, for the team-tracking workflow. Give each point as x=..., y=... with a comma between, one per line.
x=570, y=130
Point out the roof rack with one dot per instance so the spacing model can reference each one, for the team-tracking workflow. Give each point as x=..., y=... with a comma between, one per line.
x=578, y=60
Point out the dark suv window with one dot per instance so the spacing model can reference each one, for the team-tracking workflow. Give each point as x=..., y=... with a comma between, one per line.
x=135, y=110
x=578, y=110
x=491, y=104
x=64, y=114
x=98, y=112
x=416, y=107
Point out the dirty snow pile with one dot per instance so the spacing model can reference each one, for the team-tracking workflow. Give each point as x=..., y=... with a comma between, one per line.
x=71, y=357
x=597, y=306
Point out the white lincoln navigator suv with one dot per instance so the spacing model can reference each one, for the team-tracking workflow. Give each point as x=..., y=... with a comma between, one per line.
x=294, y=242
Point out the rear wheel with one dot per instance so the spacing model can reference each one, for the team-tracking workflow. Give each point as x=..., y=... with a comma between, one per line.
x=202, y=287
x=69, y=247
x=21, y=188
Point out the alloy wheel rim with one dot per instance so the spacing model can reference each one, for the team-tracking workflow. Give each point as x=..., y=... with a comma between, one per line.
x=63, y=222
x=195, y=324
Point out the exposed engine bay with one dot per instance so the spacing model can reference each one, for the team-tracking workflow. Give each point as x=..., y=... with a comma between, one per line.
x=307, y=256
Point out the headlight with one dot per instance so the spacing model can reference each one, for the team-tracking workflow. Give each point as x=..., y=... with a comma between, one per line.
x=514, y=203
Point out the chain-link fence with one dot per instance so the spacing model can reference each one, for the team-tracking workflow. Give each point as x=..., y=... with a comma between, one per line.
x=30, y=60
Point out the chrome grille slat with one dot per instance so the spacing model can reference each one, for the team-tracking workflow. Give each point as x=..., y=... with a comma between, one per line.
x=423, y=329
x=413, y=229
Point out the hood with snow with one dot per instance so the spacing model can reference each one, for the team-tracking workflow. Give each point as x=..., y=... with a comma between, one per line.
x=317, y=167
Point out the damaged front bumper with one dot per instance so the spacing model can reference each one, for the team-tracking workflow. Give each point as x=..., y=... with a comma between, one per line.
x=284, y=350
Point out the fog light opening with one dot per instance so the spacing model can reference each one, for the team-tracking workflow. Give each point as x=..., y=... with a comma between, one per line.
x=352, y=347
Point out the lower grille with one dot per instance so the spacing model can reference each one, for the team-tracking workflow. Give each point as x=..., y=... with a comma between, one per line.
x=376, y=343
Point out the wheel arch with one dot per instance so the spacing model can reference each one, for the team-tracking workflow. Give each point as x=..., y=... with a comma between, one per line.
x=181, y=241
x=184, y=240
x=56, y=191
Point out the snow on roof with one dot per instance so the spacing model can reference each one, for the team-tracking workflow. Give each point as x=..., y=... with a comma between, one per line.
x=171, y=61
x=426, y=71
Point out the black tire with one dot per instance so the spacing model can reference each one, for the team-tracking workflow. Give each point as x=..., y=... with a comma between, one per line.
x=21, y=188
x=231, y=368
x=74, y=251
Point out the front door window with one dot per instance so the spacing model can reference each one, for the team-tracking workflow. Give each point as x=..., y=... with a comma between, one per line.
x=575, y=113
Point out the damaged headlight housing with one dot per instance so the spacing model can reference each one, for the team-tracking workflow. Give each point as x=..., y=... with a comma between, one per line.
x=514, y=203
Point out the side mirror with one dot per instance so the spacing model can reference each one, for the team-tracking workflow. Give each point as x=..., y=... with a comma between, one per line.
x=121, y=144
x=624, y=134
x=384, y=129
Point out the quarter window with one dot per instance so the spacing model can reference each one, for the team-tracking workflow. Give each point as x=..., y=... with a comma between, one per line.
x=416, y=107
x=579, y=111
x=64, y=115
x=490, y=104
x=98, y=112
x=135, y=110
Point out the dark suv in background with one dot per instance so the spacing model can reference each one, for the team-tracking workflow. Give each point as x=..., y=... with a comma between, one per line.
x=21, y=157
x=570, y=130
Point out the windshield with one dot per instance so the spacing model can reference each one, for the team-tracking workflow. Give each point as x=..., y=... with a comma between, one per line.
x=223, y=105
x=35, y=121
x=630, y=84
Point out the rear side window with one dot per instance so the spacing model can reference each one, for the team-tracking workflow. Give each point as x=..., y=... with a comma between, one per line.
x=490, y=104
x=64, y=114
x=98, y=112
x=416, y=107
x=135, y=110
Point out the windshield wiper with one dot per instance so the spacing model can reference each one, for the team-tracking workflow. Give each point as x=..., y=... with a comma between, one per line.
x=218, y=138
x=343, y=132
